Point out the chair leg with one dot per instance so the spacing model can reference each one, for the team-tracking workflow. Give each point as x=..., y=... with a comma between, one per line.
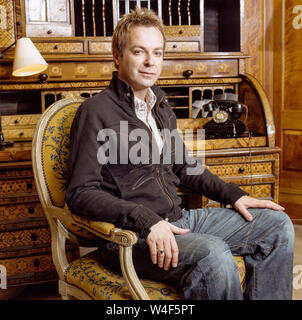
x=67, y=297
x=63, y=291
x=133, y=283
x=70, y=292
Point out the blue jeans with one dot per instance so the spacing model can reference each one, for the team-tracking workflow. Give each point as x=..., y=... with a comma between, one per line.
x=207, y=269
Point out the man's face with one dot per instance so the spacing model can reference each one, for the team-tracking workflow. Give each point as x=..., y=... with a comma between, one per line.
x=141, y=63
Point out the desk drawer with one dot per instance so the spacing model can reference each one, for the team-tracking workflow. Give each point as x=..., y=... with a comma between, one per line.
x=17, y=186
x=16, y=212
x=243, y=169
x=19, y=134
x=32, y=268
x=19, y=127
x=20, y=120
x=182, y=46
x=18, y=240
x=22, y=216
x=182, y=32
x=200, y=68
x=24, y=265
x=57, y=47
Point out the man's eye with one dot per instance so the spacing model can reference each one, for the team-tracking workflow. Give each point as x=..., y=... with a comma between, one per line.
x=137, y=52
x=158, y=53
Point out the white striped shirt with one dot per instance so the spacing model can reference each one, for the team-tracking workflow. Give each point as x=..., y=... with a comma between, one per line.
x=143, y=112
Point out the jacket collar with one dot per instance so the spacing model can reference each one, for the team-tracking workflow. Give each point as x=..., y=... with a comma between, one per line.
x=125, y=93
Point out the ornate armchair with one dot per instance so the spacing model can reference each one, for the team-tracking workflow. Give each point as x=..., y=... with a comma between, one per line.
x=85, y=277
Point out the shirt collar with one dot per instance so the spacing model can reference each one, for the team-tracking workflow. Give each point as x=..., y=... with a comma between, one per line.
x=150, y=101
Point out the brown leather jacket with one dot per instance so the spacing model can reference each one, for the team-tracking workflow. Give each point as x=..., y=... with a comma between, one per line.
x=131, y=196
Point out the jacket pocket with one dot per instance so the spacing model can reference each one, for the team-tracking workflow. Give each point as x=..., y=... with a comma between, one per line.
x=141, y=181
x=144, y=186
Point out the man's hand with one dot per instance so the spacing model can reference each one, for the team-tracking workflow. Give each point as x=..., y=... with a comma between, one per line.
x=245, y=202
x=162, y=244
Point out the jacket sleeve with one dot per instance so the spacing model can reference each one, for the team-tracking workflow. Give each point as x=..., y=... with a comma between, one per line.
x=84, y=194
x=195, y=176
x=210, y=186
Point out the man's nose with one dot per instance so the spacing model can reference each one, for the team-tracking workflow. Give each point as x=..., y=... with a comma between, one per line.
x=149, y=59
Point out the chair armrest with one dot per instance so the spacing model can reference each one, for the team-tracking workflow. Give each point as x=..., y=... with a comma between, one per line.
x=105, y=230
x=124, y=238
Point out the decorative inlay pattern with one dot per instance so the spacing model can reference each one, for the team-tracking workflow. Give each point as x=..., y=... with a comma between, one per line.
x=14, y=186
x=60, y=47
x=24, y=238
x=20, y=211
x=242, y=169
x=6, y=23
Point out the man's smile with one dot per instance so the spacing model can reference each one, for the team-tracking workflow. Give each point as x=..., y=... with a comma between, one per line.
x=146, y=73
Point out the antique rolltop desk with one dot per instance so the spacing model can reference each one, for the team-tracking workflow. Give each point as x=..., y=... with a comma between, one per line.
x=204, y=61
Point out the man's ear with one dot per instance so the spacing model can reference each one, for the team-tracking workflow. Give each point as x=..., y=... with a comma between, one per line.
x=116, y=56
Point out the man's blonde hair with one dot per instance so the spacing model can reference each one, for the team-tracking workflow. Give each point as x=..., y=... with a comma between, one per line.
x=137, y=17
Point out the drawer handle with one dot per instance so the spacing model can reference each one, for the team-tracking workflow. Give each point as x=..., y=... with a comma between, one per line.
x=43, y=77
x=33, y=237
x=16, y=121
x=36, y=262
x=21, y=134
x=56, y=47
x=188, y=73
x=180, y=31
x=49, y=32
x=31, y=210
x=174, y=46
x=241, y=170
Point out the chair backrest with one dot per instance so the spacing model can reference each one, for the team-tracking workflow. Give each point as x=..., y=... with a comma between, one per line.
x=51, y=148
x=50, y=151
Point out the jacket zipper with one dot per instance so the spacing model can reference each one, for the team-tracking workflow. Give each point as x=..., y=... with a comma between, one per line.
x=161, y=184
x=164, y=189
x=158, y=173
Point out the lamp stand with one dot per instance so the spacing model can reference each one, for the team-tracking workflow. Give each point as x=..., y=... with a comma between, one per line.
x=4, y=144
x=2, y=52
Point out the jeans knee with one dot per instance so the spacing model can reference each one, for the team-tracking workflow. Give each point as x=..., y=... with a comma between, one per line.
x=288, y=230
x=280, y=229
x=285, y=224
x=215, y=250
x=214, y=274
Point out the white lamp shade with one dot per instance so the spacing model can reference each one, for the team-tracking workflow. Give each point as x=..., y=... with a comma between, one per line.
x=28, y=60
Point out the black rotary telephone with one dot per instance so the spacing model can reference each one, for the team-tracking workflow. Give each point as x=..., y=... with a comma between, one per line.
x=225, y=114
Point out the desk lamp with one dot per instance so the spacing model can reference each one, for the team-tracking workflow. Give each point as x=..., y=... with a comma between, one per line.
x=27, y=62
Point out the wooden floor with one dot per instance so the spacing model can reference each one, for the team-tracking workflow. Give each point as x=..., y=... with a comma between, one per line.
x=48, y=291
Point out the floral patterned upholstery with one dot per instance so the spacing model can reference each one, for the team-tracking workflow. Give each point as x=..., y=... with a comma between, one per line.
x=100, y=283
x=55, y=152
x=88, y=273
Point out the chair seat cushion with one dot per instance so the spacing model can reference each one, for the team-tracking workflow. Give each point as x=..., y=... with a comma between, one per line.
x=89, y=274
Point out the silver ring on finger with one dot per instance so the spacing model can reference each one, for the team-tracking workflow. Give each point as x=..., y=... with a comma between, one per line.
x=161, y=251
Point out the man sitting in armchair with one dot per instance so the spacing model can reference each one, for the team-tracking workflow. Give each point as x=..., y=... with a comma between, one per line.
x=138, y=190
